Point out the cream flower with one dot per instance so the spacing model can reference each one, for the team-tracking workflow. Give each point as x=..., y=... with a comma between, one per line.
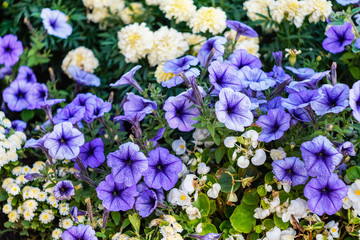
x=193, y=212
x=181, y=10
x=293, y=10
x=82, y=57
x=255, y=7
x=128, y=14
x=208, y=19
x=135, y=41
x=56, y=234
x=153, y=2
x=195, y=41
x=168, y=44
x=46, y=216
x=162, y=76
x=13, y=216
x=320, y=10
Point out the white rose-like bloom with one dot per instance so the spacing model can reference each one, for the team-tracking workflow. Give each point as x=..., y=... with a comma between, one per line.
x=251, y=46
x=187, y=184
x=7, y=208
x=202, y=168
x=261, y=213
x=153, y=2
x=181, y=10
x=97, y=14
x=259, y=158
x=295, y=11
x=82, y=57
x=96, y=3
x=193, y=212
x=116, y=6
x=168, y=44
x=257, y=6
x=277, y=154
x=229, y=142
x=195, y=41
x=288, y=234
x=135, y=41
x=243, y=162
x=213, y=192
x=46, y=216
x=179, y=146
x=208, y=19
x=320, y=9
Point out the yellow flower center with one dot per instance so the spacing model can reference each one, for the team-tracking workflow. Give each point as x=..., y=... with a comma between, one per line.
x=134, y=38
x=183, y=197
x=181, y=146
x=357, y=192
x=333, y=230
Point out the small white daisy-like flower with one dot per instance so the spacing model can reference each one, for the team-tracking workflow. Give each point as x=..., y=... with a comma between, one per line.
x=13, y=216
x=7, y=208
x=26, y=170
x=12, y=156
x=46, y=216
x=21, y=179
x=17, y=171
x=34, y=192
x=56, y=234
x=6, y=123
x=30, y=205
x=64, y=209
x=66, y=223
x=42, y=196
x=13, y=189
x=7, y=182
x=21, y=135
x=28, y=215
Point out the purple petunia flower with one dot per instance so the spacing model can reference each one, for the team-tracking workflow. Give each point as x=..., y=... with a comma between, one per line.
x=320, y=156
x=17, y=95
x=233, y=109
x=83, y=232
x=241, y=29
x=46, y=104
x=163, y=169
x=357, y=43
x=272, y=104
x=180, y=113
x=300, y=99
x=301, y=73
x=64, y=190
x=127, y=164
x=158, y=136
x=278, y=58
x=333, y=99
x=26, y=74
x=338, y=36
x=241, y=58
x=97, y=110
x=192, y=72
x=300, y=114
x=92, y=153
x=136, y=104
x=255, y=79
x=128, y=78
x=273, y=125
x=4, y=71
x=64, y=141
x=70, y=113
x=346, y=148
x=84, y=78
x=179, y=65
x=291, y=170
x=216, y=43
x=209, y=236
x=38, y=93
x=146, y=202
x=10, y=50
x=325, y=194
x=278, y=74
x=116, y=196
x=159, y=192
x=354, y=100
x=86, y=101
x=222, y=75
x=311, y=83
x=347, y=2
x=55, y=23
x=18, y=125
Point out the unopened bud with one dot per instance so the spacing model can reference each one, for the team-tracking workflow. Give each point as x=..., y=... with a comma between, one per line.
x=292, y=145
x=232, y=197
x=330, y=127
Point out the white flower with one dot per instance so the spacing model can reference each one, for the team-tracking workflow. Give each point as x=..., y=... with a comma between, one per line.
x=243, y=162
x=253, y=136
x=200, y=134
x=13, y=216
x=66, y=223
x=135, y=41
x=232, y=197
x=187, y=184
x=82, y=57
x=286, y=186
x=268, y=187
x=7, y=208
x=261, y=213
x=199, y=228
x=213, y=192
x=28, y=215
x=193, y=212
x=178, y=197
x=208, y=19
x=298, y=208
x=273, y=234
x=13, y=189
x=202, y=168
x=229, y=142
x=64, y=209
x=179, y=146
x=333, y=228
x=30, y=205
x=259, y=158
x=56, y=234
x=354, y=191
x=277, y=154
x=181, y=10
x=168, y=44
x=177, y=227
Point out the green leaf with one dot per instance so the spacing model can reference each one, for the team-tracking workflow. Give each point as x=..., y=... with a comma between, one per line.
x=212, y=207
x=279, y=223
x=208, y=228
x=353, y=173
x=203, y=204
x=243, y=219
x=355, y=71
x=355, y=10
x=135, y=222
x=269, y=178
x=261, y=190
x=269, y=224
x=100, y=234
x=251, y=197
x=116, y=217
x=3, y=195
x=226, y=180
x=318, y=225
x=219, y=154
x=225, y=225
x=284, y=196
x=27, y=115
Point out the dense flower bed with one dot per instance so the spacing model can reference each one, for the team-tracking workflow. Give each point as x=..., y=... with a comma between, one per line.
x=173, y=119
